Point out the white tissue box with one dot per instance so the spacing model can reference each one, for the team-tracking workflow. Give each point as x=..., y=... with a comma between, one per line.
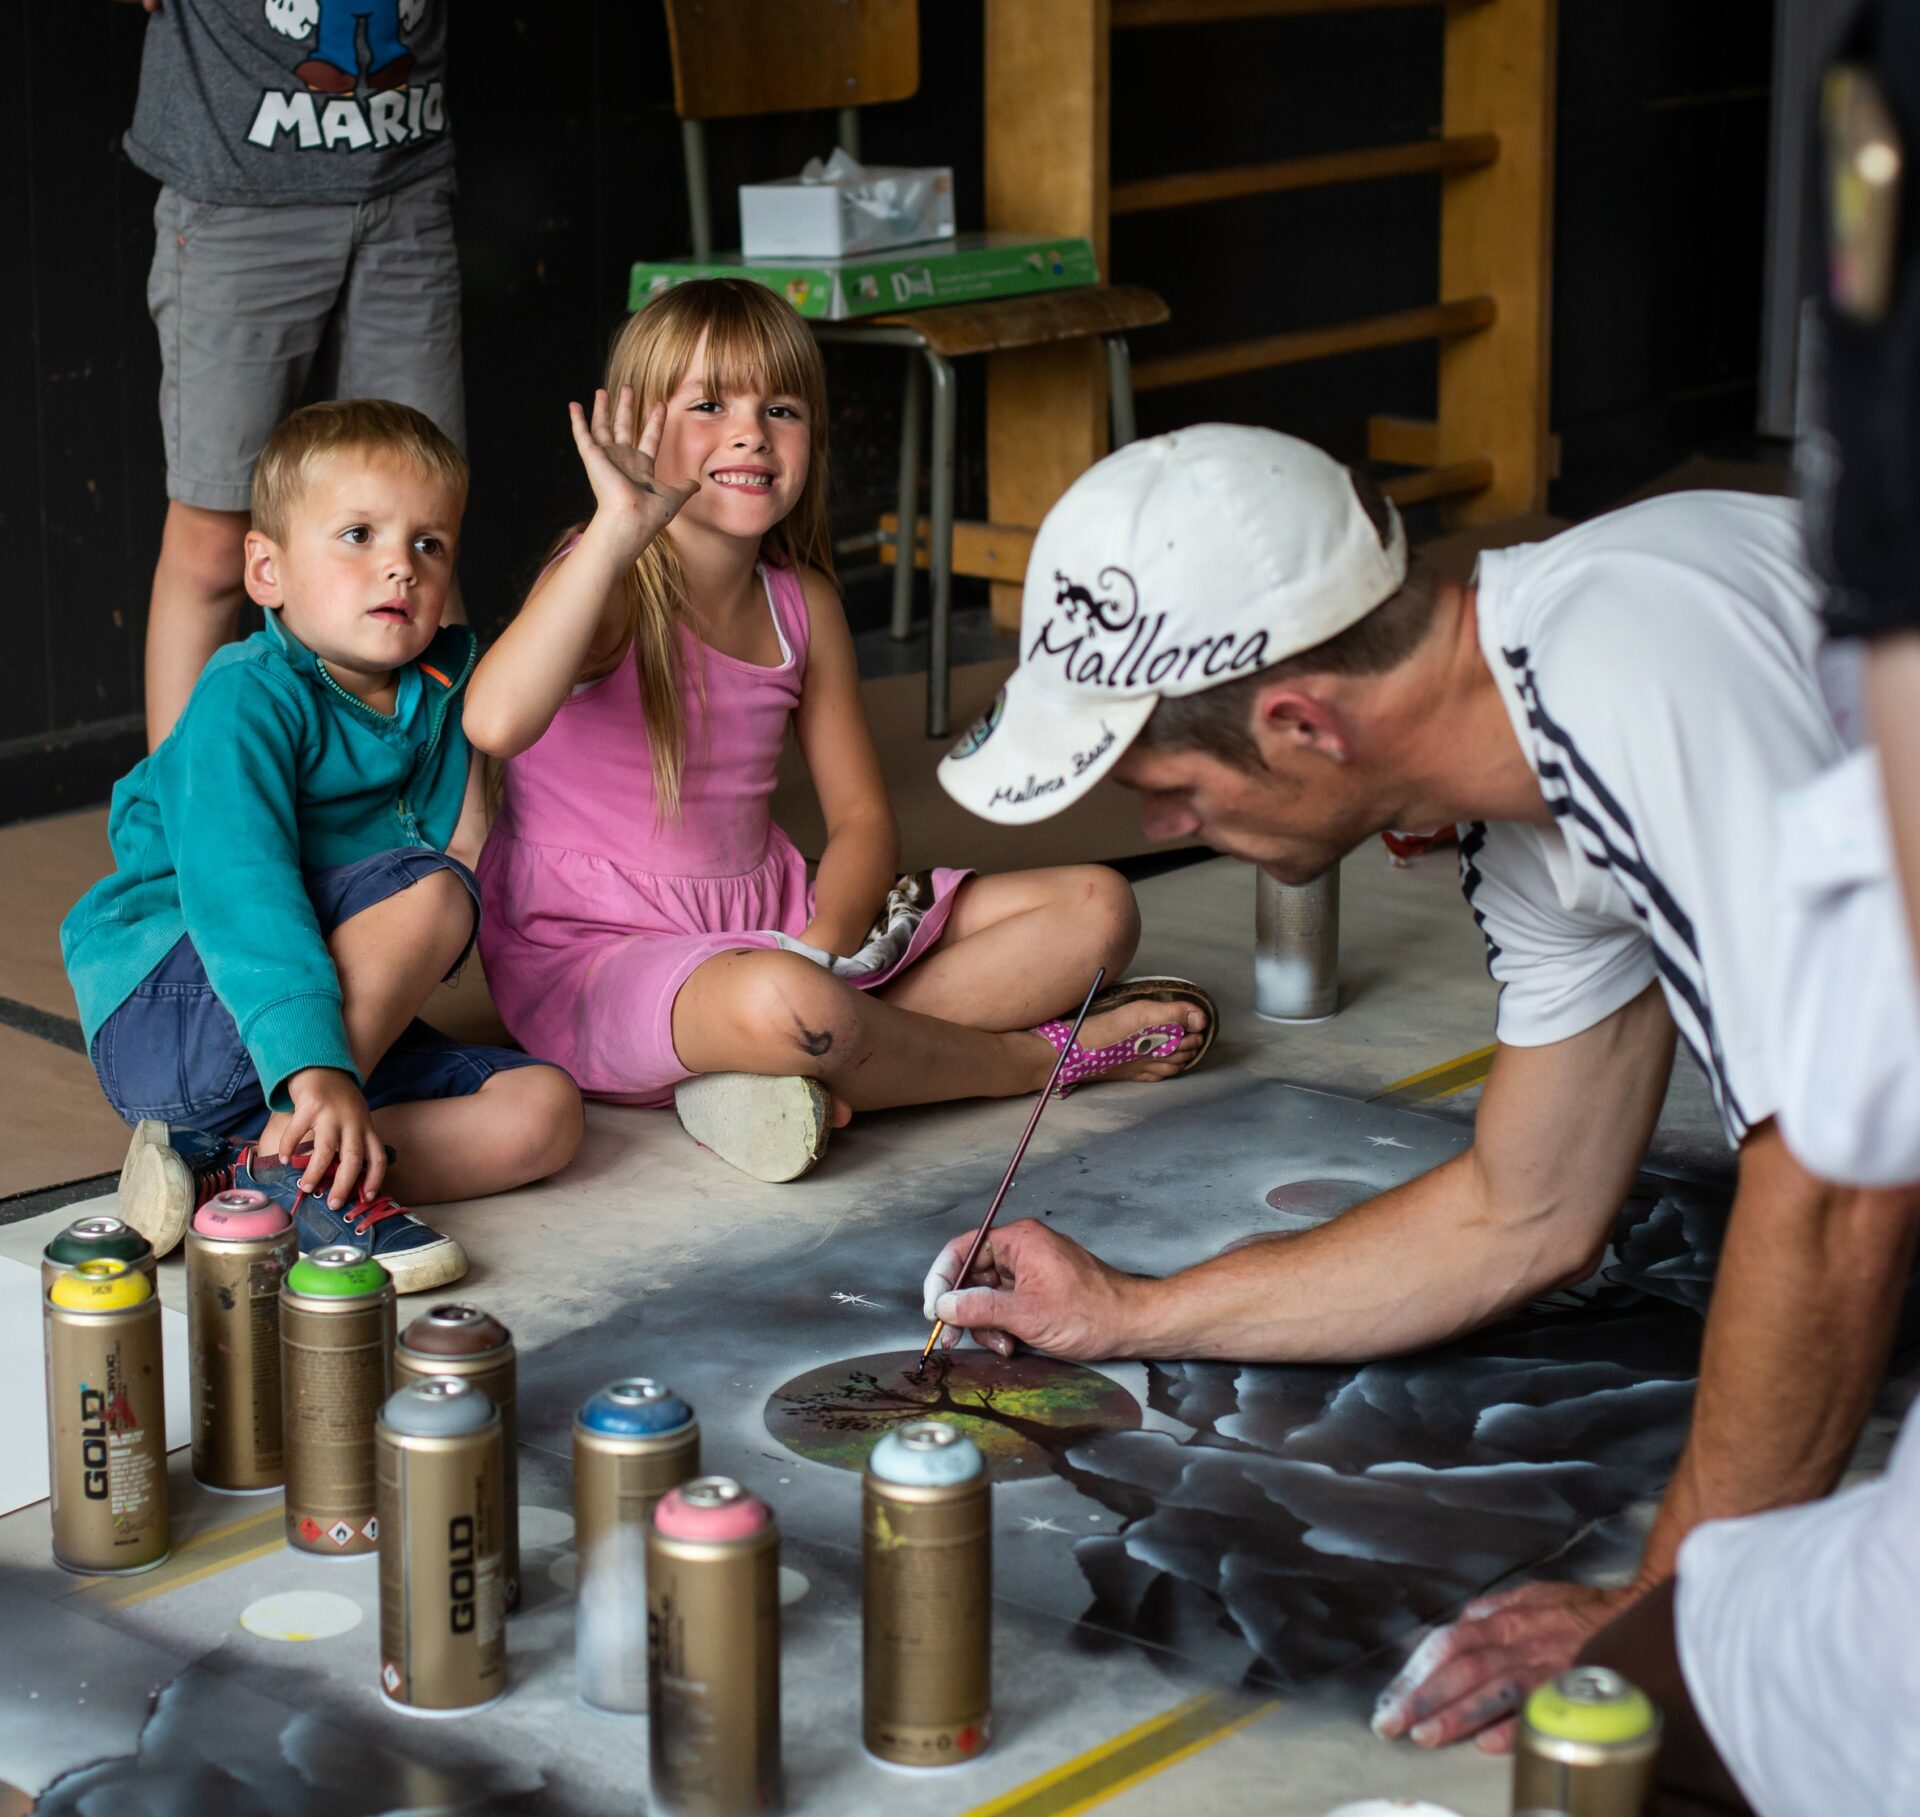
x=837, y=209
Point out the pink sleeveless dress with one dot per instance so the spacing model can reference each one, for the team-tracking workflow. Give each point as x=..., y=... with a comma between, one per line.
x=594, y=916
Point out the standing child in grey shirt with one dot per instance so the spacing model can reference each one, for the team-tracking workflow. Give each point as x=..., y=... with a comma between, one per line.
x=307, y=211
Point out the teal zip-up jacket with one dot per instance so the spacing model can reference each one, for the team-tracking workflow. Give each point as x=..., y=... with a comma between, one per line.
x=273, y=770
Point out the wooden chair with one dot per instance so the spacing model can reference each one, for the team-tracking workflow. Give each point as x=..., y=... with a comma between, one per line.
x=733, y=58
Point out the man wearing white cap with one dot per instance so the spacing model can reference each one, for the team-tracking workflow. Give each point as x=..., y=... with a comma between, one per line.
x=1219, y=620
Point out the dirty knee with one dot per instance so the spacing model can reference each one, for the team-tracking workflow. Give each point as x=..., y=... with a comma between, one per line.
x=1103, y=900
x=799, y=1014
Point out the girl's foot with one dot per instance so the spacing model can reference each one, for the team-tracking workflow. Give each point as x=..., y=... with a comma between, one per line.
x=773, y=1127
x=1142, y=1029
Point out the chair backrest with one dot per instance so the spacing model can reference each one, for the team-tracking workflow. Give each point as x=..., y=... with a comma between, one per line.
x=735, y=57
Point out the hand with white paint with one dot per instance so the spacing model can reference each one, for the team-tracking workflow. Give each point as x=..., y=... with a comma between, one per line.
x=1032, y=1286
x=1471, y=1678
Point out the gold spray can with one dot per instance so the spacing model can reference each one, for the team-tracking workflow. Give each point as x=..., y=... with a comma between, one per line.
x=632, y=1442
x=97, y=1238
x=106, y=1420
x=239, y=1247
x=336, y=1360
x=463, y=1341
x=927, y=1601
x=443, y=1633
x=713, y=1651
x=1587, y=1746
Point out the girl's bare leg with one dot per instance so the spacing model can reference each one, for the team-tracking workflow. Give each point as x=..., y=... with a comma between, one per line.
x=1022, y=948
x=520, y=1125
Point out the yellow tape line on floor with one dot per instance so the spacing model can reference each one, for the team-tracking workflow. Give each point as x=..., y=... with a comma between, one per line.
x=1459, y=1074
x=1097, y=1775
x=204, y=1555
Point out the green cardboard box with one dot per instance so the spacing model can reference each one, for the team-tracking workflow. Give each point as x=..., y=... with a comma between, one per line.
x=966, y=269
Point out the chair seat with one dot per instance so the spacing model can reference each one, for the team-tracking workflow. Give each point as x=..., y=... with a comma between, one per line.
x=961, y=329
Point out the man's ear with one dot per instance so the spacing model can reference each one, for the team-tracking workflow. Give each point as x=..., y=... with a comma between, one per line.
x=262, y=570
x=1291, y=718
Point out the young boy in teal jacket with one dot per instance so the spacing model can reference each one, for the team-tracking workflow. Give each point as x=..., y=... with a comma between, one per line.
x=283, y=899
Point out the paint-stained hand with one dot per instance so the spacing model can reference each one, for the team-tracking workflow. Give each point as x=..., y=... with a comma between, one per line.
x=634, y=503
x=1032, y=1286
x=1471, y=1678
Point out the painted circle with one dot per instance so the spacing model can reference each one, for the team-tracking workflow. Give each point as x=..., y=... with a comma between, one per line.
x=300, y=1615
x=544, y=1527
x=1022, y=1411
x=1319, y=1199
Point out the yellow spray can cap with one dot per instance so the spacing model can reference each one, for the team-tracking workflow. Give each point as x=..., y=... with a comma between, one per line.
x=1593, y=1705
x=102, y=1286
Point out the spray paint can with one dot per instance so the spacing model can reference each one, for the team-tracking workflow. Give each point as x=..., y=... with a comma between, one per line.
x=926, y=1621
x=239, y=1248
x=106, y=1420
x=632, y=1442
x=443, y=1616
x=713, y=1651
x=95, y=1239
x=1587, y=1746
x=1296, y=948
x=336, y=1361
x=463, y=1341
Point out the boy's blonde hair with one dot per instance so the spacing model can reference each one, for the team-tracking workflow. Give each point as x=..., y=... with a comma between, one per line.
x=359, y=425
x=753, y=338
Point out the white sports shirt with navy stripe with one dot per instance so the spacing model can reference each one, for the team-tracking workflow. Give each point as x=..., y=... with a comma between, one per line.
x=1658, y=664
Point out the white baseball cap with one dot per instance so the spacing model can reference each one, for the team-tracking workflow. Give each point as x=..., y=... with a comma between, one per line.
x=1169, y=567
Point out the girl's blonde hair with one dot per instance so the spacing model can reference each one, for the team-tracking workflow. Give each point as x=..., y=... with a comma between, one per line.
x=753, y=340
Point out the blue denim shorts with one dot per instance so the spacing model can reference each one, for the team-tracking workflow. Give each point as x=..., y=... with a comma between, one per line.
x=171, y=1051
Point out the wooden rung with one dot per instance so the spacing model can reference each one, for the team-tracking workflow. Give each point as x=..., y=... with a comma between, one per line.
x=1440, y=482
x=1129, y=15
x=1403, y=441
x=1470, y=151
x=1436, y=321
x=983, y=551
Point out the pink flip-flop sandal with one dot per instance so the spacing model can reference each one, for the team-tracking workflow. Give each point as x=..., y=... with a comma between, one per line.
x=1155, y=1042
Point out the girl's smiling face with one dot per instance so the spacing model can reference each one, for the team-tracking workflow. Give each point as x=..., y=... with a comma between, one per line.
x=750, y=450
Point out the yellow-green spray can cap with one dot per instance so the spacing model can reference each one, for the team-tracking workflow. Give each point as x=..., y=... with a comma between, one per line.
x=102, y=1286
x=1592, y=1705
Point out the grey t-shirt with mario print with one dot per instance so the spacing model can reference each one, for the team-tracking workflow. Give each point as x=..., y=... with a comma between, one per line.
x=278, y=101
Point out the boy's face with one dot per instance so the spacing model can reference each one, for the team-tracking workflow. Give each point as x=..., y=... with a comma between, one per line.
x=362, y=576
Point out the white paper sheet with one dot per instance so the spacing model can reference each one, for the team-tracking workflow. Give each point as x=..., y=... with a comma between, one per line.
x=23, y=1368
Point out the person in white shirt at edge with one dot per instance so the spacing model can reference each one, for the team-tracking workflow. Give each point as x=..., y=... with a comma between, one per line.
x=1225, y=620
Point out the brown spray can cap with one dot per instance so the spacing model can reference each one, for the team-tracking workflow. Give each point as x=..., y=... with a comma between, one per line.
x=455, y=1331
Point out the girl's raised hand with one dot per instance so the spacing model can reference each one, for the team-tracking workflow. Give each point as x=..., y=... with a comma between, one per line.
x=636, y=504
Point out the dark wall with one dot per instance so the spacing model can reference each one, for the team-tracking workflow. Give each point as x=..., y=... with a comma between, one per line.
x=569, y=159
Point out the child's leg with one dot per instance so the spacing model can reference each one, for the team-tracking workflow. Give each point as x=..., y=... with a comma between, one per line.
x=520, y=1125
x=773, y=1012
x=195, y=607
x=1021, y=948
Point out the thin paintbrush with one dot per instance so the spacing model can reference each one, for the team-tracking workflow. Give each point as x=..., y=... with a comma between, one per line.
x=980, y=1236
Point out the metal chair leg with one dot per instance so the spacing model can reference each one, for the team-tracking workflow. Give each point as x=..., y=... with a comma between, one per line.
x=1120, y=430
x=940, y=546
x=913, y=410
x=693, y=144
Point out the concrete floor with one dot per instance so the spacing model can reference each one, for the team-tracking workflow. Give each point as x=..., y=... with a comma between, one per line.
x=591, y=1271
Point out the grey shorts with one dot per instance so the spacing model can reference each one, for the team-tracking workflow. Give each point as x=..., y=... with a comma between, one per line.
x=261, y=308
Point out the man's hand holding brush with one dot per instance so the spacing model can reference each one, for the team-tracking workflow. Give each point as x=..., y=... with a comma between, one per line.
x=1035, y=1286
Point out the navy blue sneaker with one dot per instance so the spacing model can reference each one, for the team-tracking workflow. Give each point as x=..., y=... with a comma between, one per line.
x=417, y=1256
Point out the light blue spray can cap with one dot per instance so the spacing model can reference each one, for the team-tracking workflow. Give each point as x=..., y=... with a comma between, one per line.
x=926, y=1454
x=443, y=1406
x=635, y=1408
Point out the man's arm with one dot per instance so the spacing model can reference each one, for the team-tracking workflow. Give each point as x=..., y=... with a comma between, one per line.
x=1559, y=1136
x=1804, y=1307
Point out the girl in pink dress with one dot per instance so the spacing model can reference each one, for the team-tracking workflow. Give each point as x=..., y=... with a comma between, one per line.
x=646, y=924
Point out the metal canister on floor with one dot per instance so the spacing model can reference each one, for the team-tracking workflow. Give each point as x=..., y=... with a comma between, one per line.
x=239, y=1247
x=1587, y=1746
x=465, y=1342
x=632, y=1442
x=713, y=1651
x=106, y=1420
x=440, y=1468
x=97, y=1238
x=336, y=1363
x=927, y=1598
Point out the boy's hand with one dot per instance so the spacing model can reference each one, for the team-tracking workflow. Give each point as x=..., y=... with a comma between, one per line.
x=629, y=498
x=327, y=1106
